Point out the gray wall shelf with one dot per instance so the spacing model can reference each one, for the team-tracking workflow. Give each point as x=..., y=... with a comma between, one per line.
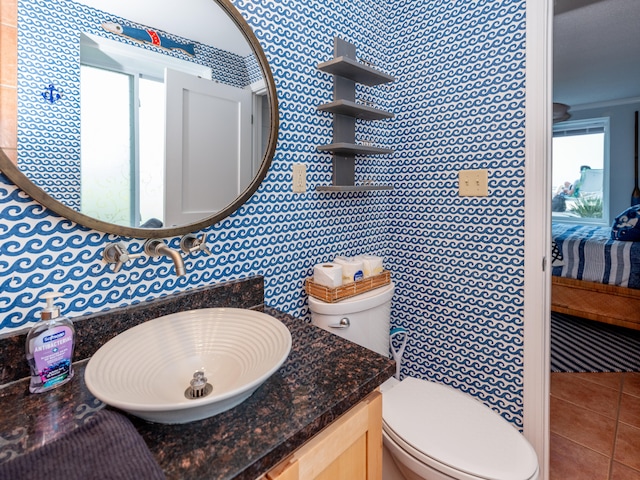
x=353, y=109
x=348, y=71
x=354, y=70
x=354, y=149
x=352, y=188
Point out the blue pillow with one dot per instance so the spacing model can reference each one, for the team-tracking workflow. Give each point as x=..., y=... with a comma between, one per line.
x=626, y=226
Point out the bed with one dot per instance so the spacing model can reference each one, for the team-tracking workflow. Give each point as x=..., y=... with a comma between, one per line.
x=595, y=277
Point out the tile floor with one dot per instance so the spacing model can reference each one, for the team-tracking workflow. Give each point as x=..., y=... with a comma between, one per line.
x=595, y=426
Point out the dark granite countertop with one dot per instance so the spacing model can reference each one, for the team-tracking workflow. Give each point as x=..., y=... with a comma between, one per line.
x=321, y=379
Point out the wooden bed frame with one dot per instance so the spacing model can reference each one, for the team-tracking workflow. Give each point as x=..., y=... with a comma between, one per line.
x=594, y=301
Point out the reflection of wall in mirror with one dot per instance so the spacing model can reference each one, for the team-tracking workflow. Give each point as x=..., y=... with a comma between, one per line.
x=48, y=51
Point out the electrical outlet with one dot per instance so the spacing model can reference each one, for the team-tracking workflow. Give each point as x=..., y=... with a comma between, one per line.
x=473, y=183
x=299, y=175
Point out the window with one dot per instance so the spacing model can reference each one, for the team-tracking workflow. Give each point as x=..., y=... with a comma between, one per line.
x=580, y=172
x=118, y=170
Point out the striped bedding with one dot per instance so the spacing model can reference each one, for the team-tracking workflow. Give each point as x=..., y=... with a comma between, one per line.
x=588, y=253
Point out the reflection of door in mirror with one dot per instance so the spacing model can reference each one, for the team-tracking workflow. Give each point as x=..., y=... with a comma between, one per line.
x=144, y=100
x=205, y=122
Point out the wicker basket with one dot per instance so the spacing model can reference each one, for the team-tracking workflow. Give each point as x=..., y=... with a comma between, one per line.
x=335, y=294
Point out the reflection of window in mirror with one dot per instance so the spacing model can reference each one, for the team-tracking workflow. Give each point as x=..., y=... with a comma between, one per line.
x=122, y=88
x=580, y=167
x=121, y=178
x=175, y=127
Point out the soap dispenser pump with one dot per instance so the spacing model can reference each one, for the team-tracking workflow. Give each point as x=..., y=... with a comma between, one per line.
x=49, y=348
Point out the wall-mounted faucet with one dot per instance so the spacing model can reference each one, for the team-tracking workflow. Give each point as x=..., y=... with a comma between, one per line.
x=190, y=243
x=155, y=248
x=117, y=253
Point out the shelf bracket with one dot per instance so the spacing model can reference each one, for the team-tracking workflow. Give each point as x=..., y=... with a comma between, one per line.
x=344, y=169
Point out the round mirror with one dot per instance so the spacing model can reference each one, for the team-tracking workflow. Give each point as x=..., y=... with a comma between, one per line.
x=142, y=121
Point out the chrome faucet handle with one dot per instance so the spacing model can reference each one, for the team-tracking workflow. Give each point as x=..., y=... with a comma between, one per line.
x=118, y=254
x=190, y=243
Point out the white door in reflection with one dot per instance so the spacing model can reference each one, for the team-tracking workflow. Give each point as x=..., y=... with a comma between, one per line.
x=208, y=146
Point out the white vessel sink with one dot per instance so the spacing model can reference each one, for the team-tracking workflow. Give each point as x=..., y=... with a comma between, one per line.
x=146, y=370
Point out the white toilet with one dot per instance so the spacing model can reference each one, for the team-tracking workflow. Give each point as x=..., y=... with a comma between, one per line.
x=430, y=431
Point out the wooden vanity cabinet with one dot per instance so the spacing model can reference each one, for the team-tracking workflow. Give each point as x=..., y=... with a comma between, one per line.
x=348, y=449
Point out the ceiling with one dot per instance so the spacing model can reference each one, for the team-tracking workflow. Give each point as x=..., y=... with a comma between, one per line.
x=198, y=20
x=596, y=51
x=596, y=44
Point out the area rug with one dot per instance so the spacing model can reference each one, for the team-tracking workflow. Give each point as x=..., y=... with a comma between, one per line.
x=579, y=345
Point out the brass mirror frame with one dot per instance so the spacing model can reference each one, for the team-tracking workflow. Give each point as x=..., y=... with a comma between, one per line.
x=8, y=168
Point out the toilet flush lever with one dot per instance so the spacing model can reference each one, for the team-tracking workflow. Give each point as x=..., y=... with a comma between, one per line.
x=344, y=323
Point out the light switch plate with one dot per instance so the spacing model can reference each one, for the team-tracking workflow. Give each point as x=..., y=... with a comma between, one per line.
x=473, y=183
x=299, y=174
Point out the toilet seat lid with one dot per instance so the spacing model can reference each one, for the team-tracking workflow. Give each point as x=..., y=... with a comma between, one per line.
x=445, y=426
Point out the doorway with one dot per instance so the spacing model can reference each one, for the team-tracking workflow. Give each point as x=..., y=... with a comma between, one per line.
x=595, y=66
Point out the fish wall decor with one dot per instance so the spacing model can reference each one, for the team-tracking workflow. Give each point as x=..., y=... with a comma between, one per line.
x=148, y=36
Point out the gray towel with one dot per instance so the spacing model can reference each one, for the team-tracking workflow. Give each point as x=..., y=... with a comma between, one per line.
x=106, y=447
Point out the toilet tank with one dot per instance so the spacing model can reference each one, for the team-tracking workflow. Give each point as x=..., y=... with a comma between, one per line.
x=367, y=315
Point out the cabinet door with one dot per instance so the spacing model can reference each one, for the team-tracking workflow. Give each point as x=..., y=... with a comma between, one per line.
x=348, y=449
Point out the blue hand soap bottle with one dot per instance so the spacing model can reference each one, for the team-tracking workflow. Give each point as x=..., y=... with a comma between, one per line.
x=49, y=348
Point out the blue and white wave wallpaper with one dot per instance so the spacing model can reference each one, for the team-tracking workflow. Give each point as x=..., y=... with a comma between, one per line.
x=458, y=262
